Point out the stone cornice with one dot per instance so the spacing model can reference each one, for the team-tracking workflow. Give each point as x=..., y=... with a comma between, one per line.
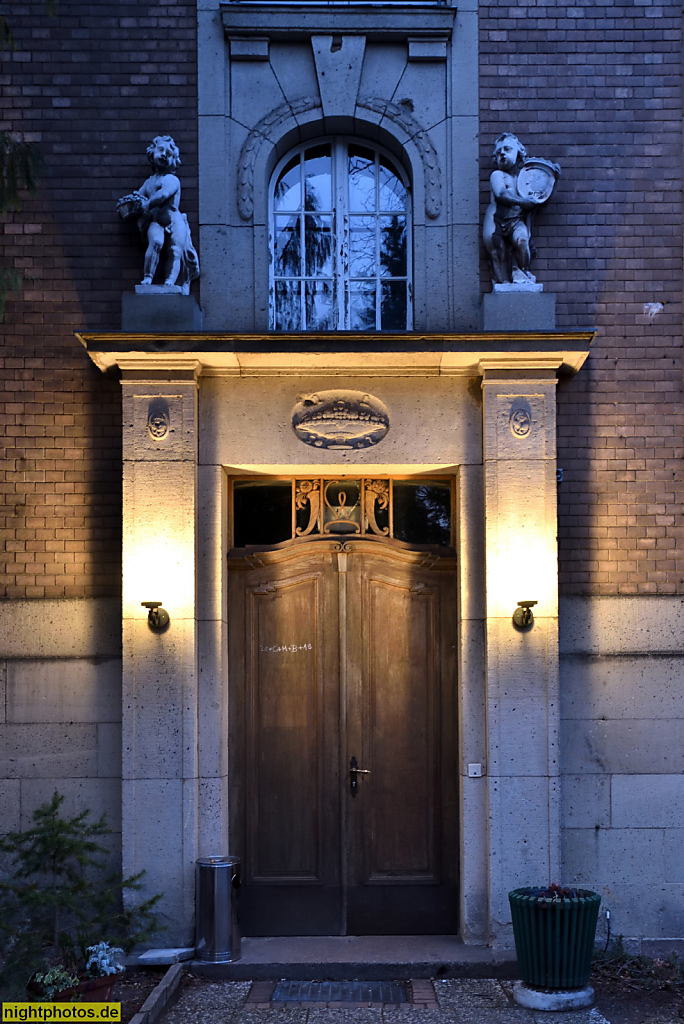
x=341, y=353
x=394, y=21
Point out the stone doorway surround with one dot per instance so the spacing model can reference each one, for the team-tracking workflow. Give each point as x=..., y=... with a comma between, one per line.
x=176, y=760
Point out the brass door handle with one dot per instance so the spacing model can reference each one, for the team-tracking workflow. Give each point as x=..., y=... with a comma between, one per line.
x=354, y=772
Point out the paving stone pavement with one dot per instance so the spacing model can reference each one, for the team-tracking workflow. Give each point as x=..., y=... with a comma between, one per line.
x=463, y=1001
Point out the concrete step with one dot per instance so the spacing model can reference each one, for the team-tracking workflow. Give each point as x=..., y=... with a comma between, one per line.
x=360, y=957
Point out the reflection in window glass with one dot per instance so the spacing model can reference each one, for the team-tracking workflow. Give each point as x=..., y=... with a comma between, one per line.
x=288, y=190
x=361, y=180
x=318, y=298
x=422, y=512
x=287, y=248
x=318, y=178
x=361, y=246
x=340, y=242
x=393, y=246
x=318, y=245
x=362, y=306
x=392, y=191
x=288, y=306
x=262, y=513
x=393, y=307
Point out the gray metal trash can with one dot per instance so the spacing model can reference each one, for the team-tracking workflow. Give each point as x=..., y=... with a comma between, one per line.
x=217, y=883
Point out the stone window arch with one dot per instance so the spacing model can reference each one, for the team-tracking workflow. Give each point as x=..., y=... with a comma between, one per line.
x=340, y=239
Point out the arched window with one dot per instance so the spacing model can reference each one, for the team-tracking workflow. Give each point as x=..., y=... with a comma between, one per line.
x=340, y=241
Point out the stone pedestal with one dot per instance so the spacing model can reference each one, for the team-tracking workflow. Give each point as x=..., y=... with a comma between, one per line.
x=154, y=309
x=519, y=311
x=552, y=999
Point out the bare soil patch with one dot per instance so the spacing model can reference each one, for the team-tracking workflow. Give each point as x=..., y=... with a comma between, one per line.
x=620, y=1006
x=639, y=989
x=134, y=988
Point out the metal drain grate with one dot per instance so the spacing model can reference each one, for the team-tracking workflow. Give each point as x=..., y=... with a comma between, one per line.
x=340, y=992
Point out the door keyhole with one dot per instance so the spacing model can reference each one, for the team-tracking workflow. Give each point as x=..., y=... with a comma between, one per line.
x=354, y=772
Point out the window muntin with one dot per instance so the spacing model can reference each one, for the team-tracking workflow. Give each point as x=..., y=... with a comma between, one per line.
x=340, y=241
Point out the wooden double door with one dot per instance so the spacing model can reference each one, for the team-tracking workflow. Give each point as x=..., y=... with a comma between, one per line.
x=343, y=739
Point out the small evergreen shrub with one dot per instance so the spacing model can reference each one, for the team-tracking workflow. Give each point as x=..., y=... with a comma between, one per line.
x=59, y=904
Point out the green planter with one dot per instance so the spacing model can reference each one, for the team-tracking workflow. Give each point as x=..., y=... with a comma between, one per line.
x=554, y=936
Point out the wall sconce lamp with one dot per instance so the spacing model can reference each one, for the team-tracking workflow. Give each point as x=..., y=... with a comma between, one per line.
x=522, y=616
x=158, y=617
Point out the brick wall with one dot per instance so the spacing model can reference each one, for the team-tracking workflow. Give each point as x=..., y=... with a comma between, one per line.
x=597, y=87
x=92, y=86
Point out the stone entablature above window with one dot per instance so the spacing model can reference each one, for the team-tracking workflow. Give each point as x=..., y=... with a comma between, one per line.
x=300, y=21
x=336, y=352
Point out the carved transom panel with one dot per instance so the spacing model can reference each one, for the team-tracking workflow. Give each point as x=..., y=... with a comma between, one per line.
x=275, y=511
x=342, y=507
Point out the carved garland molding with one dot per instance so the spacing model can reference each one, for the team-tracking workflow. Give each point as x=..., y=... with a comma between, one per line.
x=428, y=155
x=259, y=134
x=263, y=131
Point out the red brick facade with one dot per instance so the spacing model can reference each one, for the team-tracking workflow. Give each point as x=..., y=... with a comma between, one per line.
x=92, y=86
x=597, y=87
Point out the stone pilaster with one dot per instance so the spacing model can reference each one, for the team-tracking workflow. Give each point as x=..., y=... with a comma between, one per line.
x=160, y=673
x=474, y=832
x=521, y=665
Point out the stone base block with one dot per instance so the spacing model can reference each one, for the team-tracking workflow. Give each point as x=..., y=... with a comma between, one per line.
x=552, y=999
x=160, y=289
x=174, y=955
x=519, y=311
x=662, y=947
x=159, y=312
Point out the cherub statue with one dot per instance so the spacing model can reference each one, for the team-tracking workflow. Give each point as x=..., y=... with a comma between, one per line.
x=520, y=185
x=156, y=205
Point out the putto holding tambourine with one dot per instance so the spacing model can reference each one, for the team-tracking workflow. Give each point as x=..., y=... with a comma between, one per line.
x=520, y=185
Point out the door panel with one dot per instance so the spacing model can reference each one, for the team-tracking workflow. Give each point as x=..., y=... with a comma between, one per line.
x=400, y=694
x=284, y=739
x=284, y=826
x=399, y=830
x=340, y=651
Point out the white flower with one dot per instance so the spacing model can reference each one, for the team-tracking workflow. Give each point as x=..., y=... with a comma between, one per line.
x=104, y=959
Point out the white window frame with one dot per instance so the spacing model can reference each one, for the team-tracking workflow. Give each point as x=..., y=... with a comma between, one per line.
x=341, y=219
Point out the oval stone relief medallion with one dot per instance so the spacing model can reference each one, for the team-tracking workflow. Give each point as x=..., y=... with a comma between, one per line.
x=340, y=419
x=520, y=419
x=158, y=419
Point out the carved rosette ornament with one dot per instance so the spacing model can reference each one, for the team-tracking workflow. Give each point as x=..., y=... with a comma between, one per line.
x=520, y=420
x=158, y=419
